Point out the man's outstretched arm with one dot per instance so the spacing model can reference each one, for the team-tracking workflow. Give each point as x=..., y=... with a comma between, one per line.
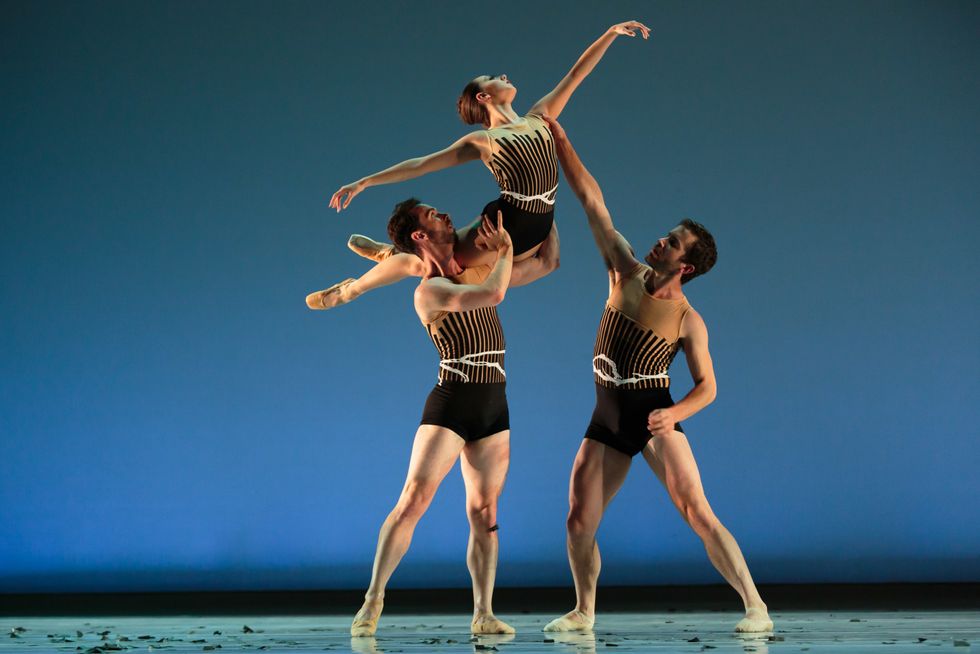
x=615, y=250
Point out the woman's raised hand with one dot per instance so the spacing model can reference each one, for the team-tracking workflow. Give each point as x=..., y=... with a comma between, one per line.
x=629, y=28
x=341, y=199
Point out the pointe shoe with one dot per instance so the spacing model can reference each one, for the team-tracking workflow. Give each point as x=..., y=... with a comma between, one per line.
x=369, y=248
x=571, y=621
x=331, y=297
x=489, y=624
x=755, y=621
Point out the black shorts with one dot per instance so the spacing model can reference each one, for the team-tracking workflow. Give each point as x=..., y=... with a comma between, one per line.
x=526, y=229
x=620, y=417
x=473, y=411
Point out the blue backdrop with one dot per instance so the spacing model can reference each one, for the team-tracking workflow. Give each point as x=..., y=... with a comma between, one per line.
x=173, y=417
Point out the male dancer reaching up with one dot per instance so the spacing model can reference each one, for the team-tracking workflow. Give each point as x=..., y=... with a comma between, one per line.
x=465, y=416
x=646, y=320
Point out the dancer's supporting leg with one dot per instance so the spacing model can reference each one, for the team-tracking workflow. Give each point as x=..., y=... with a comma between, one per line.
x=484, y=465
x=671, y=459
x=433, y=454
x=393, y=269
x=597, y=475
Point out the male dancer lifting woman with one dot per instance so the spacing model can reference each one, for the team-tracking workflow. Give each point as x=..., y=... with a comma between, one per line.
x=465, y=415
x=646, y=320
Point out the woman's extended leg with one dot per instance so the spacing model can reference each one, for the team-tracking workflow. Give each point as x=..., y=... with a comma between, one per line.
x=393, y=269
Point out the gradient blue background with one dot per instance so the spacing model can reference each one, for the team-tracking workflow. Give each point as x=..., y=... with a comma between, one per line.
x=173, y=417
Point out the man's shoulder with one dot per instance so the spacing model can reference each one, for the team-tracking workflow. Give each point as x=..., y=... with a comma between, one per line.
x=474, y=274
x=637, y=271
x=692, y=322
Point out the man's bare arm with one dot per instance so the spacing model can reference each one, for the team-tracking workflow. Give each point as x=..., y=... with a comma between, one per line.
x=439, y=294
x=615, y=250
x=544, y=262
x=694, y=340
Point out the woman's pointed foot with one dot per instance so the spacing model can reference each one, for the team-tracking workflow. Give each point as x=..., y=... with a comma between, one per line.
x=369, y=248
x=339, y=293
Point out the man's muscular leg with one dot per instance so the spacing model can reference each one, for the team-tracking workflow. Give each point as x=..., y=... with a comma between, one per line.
x=484, y=465
x=672, y=460
x=433, y=454
x=597, y=475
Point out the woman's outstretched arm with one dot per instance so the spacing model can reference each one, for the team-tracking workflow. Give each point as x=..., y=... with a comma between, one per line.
x=465, y=149
x=553, y=103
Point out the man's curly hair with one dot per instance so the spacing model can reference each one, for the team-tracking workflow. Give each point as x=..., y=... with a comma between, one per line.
x=702, y=254
x=403, y=223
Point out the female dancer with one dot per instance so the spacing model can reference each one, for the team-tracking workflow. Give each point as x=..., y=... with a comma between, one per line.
x=520, y=153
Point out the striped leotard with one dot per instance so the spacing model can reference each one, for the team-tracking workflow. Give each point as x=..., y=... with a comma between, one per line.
x=525, y=165
x=470, y=343
x=638, y=335
x=638, y=338
x=470, y=397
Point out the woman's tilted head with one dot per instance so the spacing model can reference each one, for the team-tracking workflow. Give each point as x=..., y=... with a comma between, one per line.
x=472, y=103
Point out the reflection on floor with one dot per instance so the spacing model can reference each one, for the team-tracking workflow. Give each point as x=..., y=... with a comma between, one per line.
x=848, y=632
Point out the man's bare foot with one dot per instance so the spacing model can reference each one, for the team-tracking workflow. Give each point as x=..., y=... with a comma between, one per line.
x=331, y=297
x=755, y=620
x=369, y=248
x=571, y=621
x=366, y=621
x=487, y=623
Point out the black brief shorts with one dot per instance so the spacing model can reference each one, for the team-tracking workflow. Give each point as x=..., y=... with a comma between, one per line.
x=473, y=411
x=620, y=417
x=526, y=229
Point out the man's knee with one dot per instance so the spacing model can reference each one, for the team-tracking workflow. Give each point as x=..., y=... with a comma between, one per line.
x=580, y=522
x=700, y=517
x=482, y=511
x=415, y=499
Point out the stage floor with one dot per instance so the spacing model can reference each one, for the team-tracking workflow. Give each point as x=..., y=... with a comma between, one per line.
x=847, y=632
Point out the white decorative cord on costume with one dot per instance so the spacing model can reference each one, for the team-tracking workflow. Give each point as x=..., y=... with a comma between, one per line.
x=616, y=378
x=544, y=197
x=467, y=360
